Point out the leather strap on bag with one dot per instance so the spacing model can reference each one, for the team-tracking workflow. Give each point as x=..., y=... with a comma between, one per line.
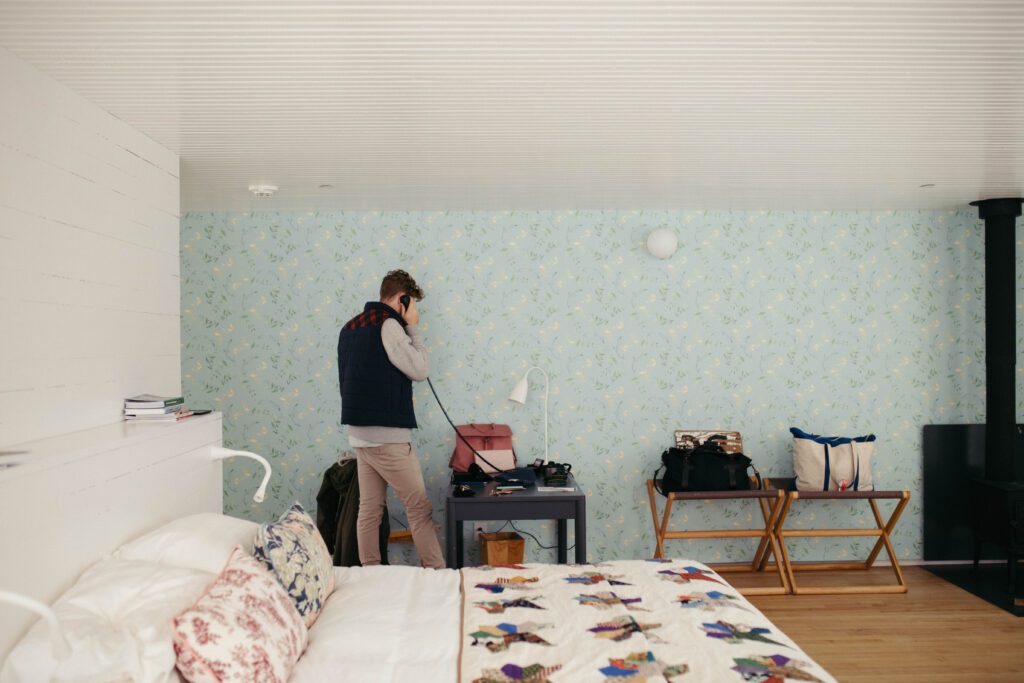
x=659, y=489
x=828, y=473
x=757, y=476
x=856, y=460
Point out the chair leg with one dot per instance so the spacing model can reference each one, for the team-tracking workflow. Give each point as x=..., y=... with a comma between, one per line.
x=768, y=544
x=780, y=564
x=873, y=555
x=774, y=546
x=892, y=558
x=886, y=528
x=884, y=538
x=659, y=551
x=664, y=526
x=768, y=547
x=783, y=554
x=759, y=555
x=771, y=523
x=884, y=541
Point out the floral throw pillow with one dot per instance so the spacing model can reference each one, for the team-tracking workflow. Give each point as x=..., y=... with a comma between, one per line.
x=293, y=550
x=243, y=628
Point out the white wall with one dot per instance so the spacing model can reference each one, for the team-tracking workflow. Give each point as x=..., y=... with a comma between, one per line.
x=89, y=267
x=94, y=490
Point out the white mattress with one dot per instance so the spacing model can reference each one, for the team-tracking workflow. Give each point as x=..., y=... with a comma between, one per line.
x=386, y=624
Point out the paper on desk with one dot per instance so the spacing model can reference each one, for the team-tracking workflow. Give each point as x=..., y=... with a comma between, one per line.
x=501, y=459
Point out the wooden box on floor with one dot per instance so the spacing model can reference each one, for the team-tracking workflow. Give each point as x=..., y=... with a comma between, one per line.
x=501, y=548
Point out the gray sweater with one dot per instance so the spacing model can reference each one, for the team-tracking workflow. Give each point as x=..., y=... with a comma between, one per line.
x=406, y=352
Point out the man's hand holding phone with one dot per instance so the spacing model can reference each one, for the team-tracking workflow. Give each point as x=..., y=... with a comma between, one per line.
x=412, y=314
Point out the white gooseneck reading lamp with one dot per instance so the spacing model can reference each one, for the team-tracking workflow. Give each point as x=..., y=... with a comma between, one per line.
x=61, y=649
x=518, y=395
x=219, y=453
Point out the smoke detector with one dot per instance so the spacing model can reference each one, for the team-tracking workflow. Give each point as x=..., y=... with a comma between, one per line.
x=263, y=191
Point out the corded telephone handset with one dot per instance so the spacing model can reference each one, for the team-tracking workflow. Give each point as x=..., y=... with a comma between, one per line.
x=406, y=302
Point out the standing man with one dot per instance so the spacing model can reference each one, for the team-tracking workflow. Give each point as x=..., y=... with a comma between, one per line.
x=380, y=353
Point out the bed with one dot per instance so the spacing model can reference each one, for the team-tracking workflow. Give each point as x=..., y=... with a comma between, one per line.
x=637, y=620
x=625, y=620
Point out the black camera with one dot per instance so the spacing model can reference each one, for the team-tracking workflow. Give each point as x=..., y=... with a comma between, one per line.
x=557, y=474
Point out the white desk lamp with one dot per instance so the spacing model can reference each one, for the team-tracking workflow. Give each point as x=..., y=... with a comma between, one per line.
x=61, y=648
x=220, y=453
x=518, y=395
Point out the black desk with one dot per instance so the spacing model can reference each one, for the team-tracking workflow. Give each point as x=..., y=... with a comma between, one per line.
x=527, y=504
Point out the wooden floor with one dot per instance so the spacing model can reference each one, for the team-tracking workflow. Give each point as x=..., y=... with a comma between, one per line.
x=935, y=632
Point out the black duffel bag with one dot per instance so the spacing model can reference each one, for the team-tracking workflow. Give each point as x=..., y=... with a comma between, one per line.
x=708, y=467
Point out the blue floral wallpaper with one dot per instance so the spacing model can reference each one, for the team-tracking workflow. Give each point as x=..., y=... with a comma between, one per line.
x=840, y=323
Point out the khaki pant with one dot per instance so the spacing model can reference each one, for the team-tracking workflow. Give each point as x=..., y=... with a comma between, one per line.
x=395, y=464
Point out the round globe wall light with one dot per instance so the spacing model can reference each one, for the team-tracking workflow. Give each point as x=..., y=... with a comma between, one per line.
x=662, y=243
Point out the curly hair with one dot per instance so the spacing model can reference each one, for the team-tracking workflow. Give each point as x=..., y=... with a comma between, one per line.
x=399, y=282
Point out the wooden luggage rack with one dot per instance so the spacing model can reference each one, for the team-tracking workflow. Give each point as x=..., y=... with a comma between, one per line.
x=883, y=530
x=776, y=501
x=770, y=502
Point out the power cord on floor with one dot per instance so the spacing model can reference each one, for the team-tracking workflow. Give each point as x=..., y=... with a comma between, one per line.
x=535, y=539
x=509, y=522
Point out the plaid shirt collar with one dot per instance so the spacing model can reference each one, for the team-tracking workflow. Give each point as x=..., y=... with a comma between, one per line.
x=378, y=308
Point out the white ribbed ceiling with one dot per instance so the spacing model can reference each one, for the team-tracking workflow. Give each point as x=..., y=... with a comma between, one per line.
x=470, y=104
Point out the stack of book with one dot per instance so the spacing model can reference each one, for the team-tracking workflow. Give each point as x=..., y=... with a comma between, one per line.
x=150, y=408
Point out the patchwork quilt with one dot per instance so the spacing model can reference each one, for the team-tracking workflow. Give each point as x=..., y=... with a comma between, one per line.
x=630, y=621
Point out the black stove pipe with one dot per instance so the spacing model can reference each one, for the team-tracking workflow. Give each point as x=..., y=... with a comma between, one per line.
x=1000, y=216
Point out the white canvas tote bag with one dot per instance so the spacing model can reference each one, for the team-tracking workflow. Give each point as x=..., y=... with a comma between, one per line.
x=832, y=463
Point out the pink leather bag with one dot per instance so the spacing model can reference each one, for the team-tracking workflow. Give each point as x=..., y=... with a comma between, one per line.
x=483, y=437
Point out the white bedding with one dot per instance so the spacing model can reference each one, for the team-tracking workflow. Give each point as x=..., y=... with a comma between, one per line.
x=117, y=620
x=386, y=624
x=402, y=624
x=398, y=624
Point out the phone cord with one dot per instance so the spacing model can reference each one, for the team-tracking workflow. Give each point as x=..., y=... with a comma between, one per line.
x=464, y=440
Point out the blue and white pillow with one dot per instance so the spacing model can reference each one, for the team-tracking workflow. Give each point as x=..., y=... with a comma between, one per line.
x=295, y=553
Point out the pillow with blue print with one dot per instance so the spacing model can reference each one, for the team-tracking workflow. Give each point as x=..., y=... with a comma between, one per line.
x=295, y=553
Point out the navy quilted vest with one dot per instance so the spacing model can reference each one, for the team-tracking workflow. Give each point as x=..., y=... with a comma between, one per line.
x=374, y=393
